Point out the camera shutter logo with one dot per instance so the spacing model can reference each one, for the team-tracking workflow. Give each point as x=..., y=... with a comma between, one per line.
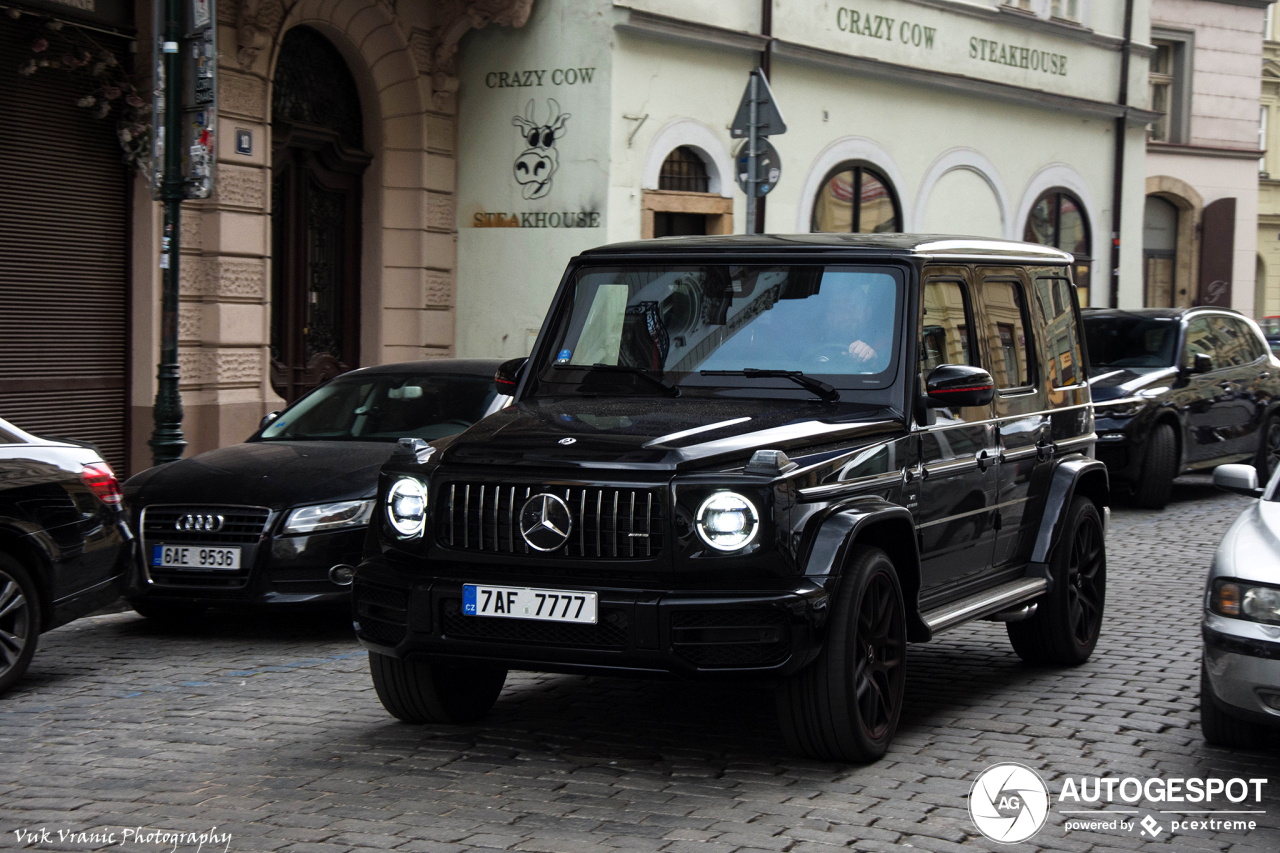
x=1009, y=803
x=545, y=522
x=199, y=523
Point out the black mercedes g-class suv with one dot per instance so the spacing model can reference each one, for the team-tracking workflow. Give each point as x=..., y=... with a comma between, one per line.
x=765, y=457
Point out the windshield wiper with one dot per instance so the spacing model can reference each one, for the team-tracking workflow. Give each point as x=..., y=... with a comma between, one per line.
x=827, y=392
x=668, y=387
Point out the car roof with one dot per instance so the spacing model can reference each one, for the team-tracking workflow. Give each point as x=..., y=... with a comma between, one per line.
x=937, y=246
x=477, y=366
x=1175, y=313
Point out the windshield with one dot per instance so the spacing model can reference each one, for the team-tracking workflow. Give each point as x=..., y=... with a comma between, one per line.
x=837, y=323
x=1131, y=340
x=385, y=407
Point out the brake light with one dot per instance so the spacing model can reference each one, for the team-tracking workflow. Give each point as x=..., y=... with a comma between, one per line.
x=102, y=481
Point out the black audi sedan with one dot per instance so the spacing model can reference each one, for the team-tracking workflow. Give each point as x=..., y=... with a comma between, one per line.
x=64, y=544
x=1179, y=390
x=279, y=520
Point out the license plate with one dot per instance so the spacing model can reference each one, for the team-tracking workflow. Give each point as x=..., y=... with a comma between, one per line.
x=195, y=557
x=549, y=605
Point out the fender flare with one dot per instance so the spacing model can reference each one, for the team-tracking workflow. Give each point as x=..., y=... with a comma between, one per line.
x=872, y=521
x=1073, y=474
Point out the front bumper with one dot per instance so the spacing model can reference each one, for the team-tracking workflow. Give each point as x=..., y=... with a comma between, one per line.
x=1117, y=450
x=1242, y=660
x=281, y=571
x=689, y=634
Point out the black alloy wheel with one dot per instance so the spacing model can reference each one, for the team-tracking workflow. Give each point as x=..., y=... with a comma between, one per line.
x=19, y=621
x=880, y=653
x=1269, y=450
x=1068, y=619
x=845, y=706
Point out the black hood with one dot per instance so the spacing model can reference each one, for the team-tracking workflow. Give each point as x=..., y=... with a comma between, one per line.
x=1112, y=383
x=657, y=432
x=274, y=474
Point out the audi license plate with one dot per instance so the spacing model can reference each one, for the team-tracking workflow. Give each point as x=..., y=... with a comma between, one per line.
x=195, y=557
x=551, y=605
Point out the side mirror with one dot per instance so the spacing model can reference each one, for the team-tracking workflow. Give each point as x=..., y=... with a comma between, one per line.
x=267, y=420
x=1201, y=363
x=507, y=376
x=956, y=386
x=1239, y=479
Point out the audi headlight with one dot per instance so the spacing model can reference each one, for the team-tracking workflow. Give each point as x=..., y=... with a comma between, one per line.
x=407, y=506
x=1120, y=409
x=1253, y=602
x=727, y=521
x=324, y=517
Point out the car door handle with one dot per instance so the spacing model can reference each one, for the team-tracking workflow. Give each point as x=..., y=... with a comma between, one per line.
x=984, y=459
x=1044, y=450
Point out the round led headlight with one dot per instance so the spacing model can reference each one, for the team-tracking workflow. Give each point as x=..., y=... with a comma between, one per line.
x=727, y=521
x=407, y=506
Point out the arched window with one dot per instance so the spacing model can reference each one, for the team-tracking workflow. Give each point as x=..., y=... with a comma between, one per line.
x=1058, y=219
x=858, y=199
x=684, y=171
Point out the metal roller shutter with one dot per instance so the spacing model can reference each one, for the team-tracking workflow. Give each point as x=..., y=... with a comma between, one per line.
x=64, y=241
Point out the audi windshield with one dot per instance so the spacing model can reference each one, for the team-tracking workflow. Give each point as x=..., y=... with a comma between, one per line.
x=654, y=328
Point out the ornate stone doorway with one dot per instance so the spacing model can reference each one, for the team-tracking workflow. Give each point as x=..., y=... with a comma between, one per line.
x=318, y=158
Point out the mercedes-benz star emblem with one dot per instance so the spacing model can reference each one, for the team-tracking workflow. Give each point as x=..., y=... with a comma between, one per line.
x=199, y=523
x=545, y=522
x=568, y=441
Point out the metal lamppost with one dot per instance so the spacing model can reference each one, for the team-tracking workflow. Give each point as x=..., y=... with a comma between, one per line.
x=184, y=121
x=167, y=442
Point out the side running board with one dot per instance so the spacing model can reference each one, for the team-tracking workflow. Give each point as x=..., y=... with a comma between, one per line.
x=984, y=603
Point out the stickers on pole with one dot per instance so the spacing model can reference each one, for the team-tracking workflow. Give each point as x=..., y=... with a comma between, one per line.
x=198, y=50
x=768, y=166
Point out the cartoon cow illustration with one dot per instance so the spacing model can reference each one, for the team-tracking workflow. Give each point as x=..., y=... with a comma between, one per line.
x=537, y=163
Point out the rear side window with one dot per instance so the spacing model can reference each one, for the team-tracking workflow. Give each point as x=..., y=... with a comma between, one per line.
x=1053, y=299
x=944, y=330
x=1011, y=364
x=1202, y=339
x=1234, y=342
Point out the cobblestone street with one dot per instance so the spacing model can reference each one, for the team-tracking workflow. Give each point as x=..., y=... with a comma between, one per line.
x=271, y=731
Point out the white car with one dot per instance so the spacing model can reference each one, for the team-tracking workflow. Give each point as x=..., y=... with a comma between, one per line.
x=1240, y=676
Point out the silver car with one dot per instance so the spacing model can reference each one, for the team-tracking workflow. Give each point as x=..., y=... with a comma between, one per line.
x=1240, y=678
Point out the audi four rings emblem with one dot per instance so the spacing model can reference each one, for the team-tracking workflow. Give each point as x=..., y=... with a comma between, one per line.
x=197, y=523
x=545, y=522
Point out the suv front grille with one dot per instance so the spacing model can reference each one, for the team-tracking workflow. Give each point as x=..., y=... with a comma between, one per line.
x=608, y=522
x=241, y=525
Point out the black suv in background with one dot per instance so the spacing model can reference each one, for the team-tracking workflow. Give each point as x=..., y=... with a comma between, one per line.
x=1178, y=390
x=755, y=457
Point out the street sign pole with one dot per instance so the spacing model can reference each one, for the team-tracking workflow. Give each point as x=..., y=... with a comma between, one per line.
x=752, y=155
x=167, y=441
x=183, y=160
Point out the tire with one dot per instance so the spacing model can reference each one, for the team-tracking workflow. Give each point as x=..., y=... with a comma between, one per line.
x=168, y=615
x=421, y=692
x=846, y=705
x=1068, y=620
x=19, y=620
x=1268, y=450
x=1222, y=729
x=1159, y=467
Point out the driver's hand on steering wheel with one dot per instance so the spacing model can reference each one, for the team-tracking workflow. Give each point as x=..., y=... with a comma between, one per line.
x=861, y=351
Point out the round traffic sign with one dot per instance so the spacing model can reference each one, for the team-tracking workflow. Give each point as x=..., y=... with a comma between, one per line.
x=768, y=166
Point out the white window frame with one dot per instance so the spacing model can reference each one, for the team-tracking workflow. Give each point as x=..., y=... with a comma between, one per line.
x=1183, y=43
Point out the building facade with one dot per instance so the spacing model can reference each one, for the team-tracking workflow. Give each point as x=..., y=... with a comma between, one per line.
x=1267, y=295
x=1200, y=231
x=407, y=179
x=992, y=119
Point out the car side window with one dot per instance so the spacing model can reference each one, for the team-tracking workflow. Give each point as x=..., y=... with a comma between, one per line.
x=1062, y=341
x=944, y=328
x=1250, y=347
x=1234, y=346
x=1005, y=308
x=1201, y=339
